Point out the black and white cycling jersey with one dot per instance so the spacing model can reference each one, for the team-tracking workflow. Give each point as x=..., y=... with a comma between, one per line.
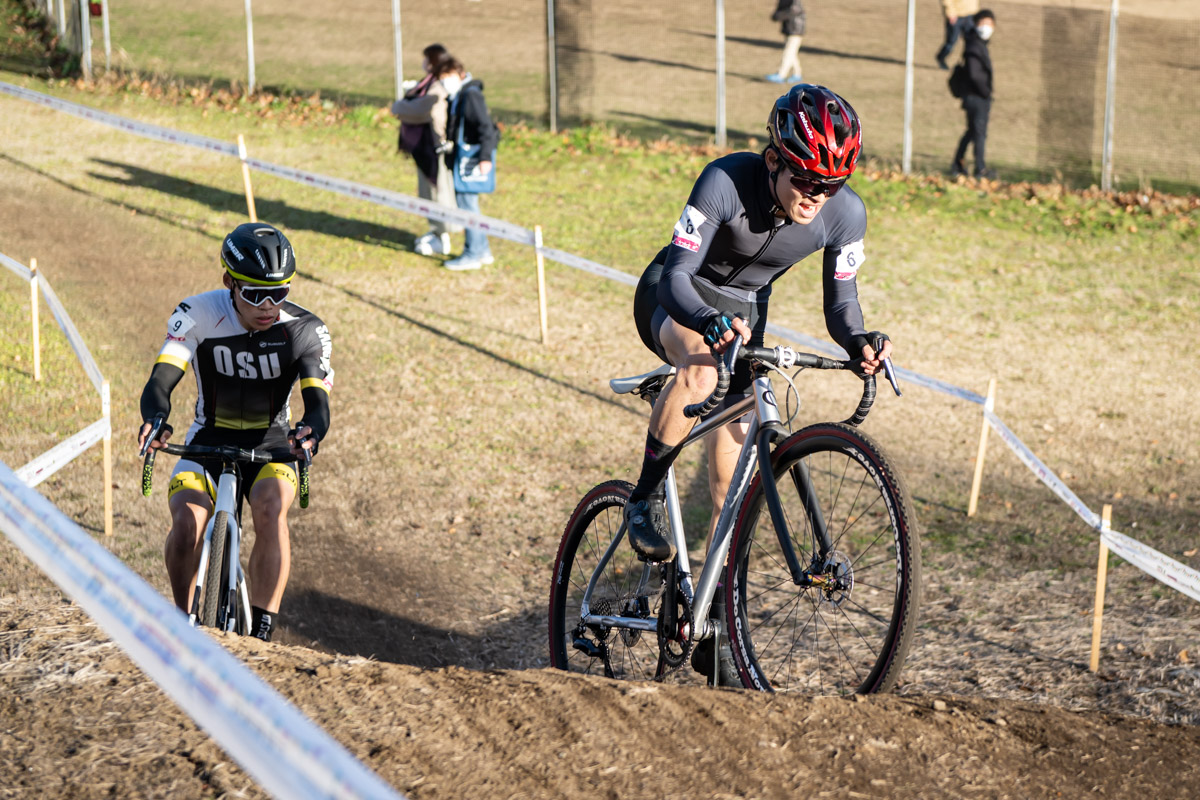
x=244, y=378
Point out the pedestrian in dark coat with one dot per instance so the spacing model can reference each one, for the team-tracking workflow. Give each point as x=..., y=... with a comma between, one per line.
x=977, y=100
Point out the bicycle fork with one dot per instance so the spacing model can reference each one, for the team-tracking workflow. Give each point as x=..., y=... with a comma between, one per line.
x=801, y=576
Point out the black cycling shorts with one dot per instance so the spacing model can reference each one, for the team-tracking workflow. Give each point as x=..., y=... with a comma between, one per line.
x=649, y=316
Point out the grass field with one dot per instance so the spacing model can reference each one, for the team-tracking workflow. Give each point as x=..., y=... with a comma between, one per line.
x=1054, y=295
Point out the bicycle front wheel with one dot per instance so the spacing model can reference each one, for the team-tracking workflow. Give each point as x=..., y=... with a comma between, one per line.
x=595, y=552
x=850, y=630
x=215, y=589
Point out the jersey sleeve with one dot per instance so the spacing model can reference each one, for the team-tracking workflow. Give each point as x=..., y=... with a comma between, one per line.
x=316, y=378
x=710, y=204
x=183, y=337
x=844, y=254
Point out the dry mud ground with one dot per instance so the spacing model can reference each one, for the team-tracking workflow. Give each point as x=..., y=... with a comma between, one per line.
x=460, y=448
x=81, y=721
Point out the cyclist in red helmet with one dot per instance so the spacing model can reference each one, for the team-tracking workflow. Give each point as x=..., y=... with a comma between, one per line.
x=749, y=218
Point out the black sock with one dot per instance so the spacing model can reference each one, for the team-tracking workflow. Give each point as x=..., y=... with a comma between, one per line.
x=655, y=465
x=262, y=623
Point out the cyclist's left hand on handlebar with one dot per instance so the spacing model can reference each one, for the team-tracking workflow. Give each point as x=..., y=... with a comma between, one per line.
x=872, y=358
x=163, y=435
x=721, y=331
x=301, y=439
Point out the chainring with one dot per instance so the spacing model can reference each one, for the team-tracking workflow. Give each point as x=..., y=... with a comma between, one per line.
x=674, y=647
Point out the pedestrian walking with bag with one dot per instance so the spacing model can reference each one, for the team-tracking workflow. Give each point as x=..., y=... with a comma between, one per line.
x=424, y=114
x=472, y=163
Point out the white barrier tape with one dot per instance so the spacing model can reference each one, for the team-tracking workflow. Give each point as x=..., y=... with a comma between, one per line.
x=62, y=453
x=1043, y=473
x=73, y=338
x=140, y=128
x=16, y=266
x=580, y=263
x=401, y=202
x=1166, y=569
x=278, y=746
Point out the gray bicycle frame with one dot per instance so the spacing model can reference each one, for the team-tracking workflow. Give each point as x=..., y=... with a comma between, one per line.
x=226, y=501
x=763, y=411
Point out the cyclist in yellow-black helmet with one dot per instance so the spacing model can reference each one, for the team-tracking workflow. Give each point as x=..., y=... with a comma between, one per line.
x=248, y=346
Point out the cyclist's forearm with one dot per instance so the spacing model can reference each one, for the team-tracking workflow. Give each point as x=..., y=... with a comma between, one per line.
x=316, y=410
x=156, y=397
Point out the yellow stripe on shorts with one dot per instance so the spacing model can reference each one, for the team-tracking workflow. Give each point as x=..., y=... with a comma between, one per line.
x=195, y=481
x=284, y=472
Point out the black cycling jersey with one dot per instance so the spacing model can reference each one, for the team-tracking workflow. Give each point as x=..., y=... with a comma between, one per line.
x=730, y=241
x=243, y=378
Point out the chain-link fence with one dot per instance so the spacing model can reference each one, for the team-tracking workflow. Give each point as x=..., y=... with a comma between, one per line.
x=650, y=69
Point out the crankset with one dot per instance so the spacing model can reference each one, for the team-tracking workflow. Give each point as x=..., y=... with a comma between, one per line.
x=675, y=625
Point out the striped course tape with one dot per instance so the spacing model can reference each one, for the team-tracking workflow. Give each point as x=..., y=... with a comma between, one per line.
x=525, y=236
x=1178, y=576
x=62, y=453
x=278, y=746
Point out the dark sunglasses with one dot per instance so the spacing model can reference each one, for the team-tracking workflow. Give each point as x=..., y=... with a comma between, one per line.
x=257, y=295
x=812, y=187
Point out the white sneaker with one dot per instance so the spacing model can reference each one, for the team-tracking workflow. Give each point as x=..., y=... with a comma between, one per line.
x=463, y=263
x=423, y=246
x=432, y=243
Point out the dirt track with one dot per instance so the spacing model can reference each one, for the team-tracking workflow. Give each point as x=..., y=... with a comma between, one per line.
x=90, y=723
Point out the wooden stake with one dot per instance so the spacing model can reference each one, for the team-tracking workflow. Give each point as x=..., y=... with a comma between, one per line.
x=37, y=336
x=246, y=179
x=988, y=405
x=541, y=278
x=105, y=410
x=1101, y=579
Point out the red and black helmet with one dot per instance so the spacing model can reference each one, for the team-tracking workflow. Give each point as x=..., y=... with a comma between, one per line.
x=816, y=132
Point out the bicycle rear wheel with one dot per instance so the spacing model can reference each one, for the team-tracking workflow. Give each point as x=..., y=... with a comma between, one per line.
x=851, y=634
x=216, y=591
x=624, y=586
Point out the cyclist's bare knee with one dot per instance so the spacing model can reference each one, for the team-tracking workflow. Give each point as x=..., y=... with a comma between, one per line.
x=697, y=376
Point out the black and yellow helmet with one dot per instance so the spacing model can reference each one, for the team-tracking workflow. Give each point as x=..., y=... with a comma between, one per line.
x=258, y=254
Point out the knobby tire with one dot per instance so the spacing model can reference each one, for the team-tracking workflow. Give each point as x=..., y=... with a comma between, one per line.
x=852, y=639
x=215, y=592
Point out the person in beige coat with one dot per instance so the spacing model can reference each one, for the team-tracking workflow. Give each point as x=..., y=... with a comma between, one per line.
x=423, y=113
x=960, y=18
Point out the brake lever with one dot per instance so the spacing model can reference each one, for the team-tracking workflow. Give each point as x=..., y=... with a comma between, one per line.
x=888, y=369
x=891, y=376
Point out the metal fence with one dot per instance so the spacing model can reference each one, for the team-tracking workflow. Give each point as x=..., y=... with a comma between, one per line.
x=650, y=69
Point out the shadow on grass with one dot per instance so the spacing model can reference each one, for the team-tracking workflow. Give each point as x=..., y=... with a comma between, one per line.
x=449, y=337
x=275, y=211
x=777, y=44
x=647, y=125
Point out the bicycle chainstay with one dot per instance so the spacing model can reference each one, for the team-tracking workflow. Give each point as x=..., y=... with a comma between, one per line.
x=674, y=614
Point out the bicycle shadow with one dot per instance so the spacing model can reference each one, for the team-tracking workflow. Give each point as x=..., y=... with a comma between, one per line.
x=334, y=624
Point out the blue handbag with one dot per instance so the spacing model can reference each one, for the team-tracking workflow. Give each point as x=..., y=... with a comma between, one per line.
x=468, y=178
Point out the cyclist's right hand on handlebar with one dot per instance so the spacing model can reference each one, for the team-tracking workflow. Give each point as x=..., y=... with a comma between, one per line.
x=720, y=331
x=163, y=435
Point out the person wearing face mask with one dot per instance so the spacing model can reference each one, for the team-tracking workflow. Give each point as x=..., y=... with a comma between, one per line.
x=977, y=97
x=423, y=113
x=750, y=217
